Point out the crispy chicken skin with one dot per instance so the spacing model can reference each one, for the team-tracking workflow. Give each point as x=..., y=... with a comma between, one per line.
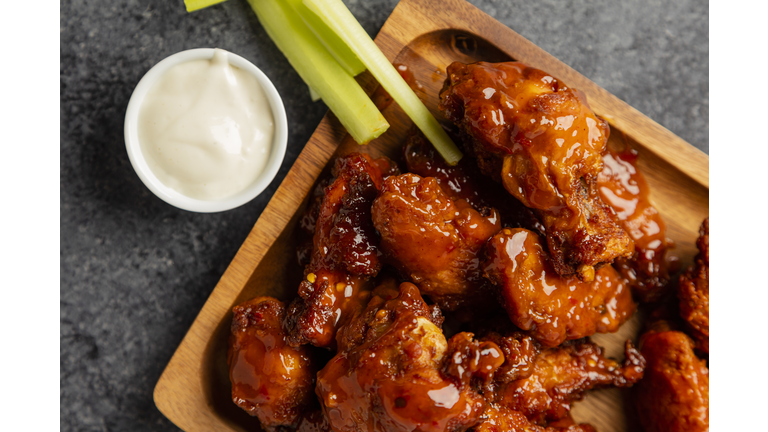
x=674, y=394
x=693, y=292
x=540, y=139
x=464, y=181
x=432, y=239
x=270, y=379
x=391, y=378
x=502, y=419
x=535, y=386
x=562, y=374
x=623, y=187
x=389, y=296
x=553, y=308
x=344, y=254
x=520, y=352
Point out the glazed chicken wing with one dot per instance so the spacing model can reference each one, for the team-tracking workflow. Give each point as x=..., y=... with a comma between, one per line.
x=551, y=307
x=270, y=379
x=562, y=374
x=623, y=187
x=432, y=239
x=502, y=419
x=535, y=387
x=344, y=254
x=693, y=292
x=540, y=139
x=464, y=182
x=391, y=378
x=674, y=394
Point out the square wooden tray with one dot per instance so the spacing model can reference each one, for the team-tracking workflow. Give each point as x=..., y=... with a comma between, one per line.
x=426, y=36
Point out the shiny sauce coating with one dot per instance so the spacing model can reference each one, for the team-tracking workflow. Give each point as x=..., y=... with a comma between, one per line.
x=553, y=308
x=463, y=181
x=345, y=256
x=432, y=239
x=519, y=110
x=270, y=379
x=623, y=187
x=562, y=374
x=390, y=379
x=540, y=139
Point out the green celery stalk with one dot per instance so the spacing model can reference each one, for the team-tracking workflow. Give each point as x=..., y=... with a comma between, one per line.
x=332, y=42
x=313, y=95
x=193, y=5
x=336, y=15
x=319, y=70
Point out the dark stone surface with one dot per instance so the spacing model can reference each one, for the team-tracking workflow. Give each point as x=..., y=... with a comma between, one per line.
x=136, y=271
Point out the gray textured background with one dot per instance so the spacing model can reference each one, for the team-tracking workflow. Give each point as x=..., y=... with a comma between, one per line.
x=136, y=271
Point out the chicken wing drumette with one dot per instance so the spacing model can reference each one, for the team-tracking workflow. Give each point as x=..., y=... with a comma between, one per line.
x=551, y=307
x=270, y=379
x=344, y=254
x=674, y=394
x=390, y=374
x=623, y=187
x=540, y=139
x=693, y=292
x=432, y=239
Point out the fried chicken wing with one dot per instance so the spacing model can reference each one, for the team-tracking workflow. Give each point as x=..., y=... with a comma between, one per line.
x=693, y=292
x=270, y=379
x=674, y=394
x=540, y=139
x=553, y=308
x=433, y=240
x=502, y=419
x=535, y=387
x=623, y=187
x=562, y=374
x=463, y=181
x=391, y=379
x=344, y=255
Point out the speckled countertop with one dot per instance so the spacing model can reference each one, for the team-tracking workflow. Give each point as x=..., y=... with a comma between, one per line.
x=135, y=271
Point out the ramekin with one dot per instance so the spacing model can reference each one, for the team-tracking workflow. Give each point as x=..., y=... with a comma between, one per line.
x=171, y=196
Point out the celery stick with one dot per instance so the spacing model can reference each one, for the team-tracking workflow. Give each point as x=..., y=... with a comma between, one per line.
x=338, y=49
x=313, y=94
x=320, y=70
x=193, y=5
x=341, y=20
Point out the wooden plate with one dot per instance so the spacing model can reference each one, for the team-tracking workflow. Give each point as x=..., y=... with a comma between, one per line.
x=426, y=36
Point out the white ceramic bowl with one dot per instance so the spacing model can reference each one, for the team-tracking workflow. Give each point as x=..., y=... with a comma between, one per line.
x=276, y=155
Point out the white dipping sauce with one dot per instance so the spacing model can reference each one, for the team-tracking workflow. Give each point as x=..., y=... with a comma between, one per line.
x=206, y=128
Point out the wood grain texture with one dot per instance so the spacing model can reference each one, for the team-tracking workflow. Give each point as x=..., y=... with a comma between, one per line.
x=426, y=36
